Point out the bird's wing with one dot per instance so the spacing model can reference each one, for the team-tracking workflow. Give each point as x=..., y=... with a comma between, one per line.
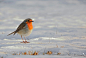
x=21, y=26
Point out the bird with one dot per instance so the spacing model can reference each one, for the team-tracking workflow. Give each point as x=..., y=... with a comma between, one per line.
x=24, y=29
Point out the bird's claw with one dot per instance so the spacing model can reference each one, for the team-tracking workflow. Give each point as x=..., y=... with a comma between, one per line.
x=25, y=42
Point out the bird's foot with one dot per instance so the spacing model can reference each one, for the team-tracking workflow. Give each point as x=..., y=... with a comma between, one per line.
x=25, y=42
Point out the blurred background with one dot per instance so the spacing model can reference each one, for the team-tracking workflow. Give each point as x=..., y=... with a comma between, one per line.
x=52, y=18
x=61, y=22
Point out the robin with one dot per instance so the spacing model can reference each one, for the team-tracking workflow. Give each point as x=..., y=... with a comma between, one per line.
x=24, y=29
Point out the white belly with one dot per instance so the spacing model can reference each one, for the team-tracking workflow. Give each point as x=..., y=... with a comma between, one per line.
x=25, y=32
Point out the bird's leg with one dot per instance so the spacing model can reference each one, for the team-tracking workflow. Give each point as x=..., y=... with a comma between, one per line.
x=22, y=38
x=25, y=40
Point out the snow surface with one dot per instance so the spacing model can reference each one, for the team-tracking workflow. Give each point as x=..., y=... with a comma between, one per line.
x=59, y=26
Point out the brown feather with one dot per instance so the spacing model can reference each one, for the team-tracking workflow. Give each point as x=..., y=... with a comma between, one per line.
x=21, y=26
x=11, y=33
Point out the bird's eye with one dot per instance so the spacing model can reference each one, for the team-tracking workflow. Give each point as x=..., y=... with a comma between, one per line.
x=28, y=20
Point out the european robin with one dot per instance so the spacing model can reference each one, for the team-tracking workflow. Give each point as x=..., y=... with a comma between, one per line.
x=24, y=29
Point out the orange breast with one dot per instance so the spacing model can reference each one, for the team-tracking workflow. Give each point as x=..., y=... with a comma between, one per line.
x=30, y=26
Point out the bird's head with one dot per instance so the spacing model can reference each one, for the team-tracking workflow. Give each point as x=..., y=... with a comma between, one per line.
x=28, y=20
x=29, y=23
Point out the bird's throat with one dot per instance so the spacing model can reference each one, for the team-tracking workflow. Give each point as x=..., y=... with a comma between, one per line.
x=30, y=26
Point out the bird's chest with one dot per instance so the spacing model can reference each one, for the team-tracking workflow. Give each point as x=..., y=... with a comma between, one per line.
x=25, y=31
x=29, y=25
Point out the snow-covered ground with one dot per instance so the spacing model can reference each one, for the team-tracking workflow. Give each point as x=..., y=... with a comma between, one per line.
x=59, y=26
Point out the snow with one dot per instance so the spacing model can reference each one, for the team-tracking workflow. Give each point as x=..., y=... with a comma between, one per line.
x=59, y=26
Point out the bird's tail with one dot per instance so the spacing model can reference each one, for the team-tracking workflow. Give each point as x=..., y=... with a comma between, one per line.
x=12, y=33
